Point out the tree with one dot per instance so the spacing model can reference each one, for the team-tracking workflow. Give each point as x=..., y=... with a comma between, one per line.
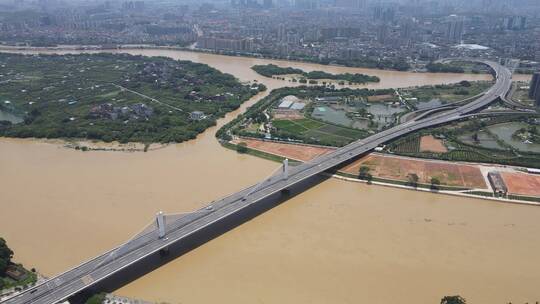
x=413, y=179
x=435, y=183
x=462, y=92
x=465, y=83
x=453, y=300
x=475, y=137
x=3, y=266
x=364, y=173
x=5, y=256
x=241, y=147
x=364, y=170
x=96, y=299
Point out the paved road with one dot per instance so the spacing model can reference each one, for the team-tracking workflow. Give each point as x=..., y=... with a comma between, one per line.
x=147, y=97
x=85, y=275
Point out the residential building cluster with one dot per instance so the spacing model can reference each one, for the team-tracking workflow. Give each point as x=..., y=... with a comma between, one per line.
x=397, y=34
x=110, y=111
x=534, y=89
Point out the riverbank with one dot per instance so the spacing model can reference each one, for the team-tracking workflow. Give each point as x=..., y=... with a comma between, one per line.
x=400, y=64
x=459, y=179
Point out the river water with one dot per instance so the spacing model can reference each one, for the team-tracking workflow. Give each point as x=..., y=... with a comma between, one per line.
x=339, y=242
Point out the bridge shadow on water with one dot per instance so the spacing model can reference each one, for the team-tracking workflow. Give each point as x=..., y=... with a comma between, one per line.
x=197, y=239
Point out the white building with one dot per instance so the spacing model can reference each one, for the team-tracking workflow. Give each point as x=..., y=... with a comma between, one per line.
x=197, y=115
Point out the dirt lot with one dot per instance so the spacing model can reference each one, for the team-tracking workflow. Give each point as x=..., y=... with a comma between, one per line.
x=429, y=143
x=287, y=114
x=291, y=151
x=522, y=183
x=389, y=167
x=398, y=168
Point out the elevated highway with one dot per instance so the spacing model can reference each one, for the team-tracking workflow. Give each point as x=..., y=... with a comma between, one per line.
x=148, y=242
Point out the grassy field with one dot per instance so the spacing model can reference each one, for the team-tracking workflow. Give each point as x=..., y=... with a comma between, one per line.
x=522, y=95
x=315, y=131
x=448, y=93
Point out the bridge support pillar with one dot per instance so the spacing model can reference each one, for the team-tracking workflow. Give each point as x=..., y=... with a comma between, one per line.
x=286, y=168
x=160, y=222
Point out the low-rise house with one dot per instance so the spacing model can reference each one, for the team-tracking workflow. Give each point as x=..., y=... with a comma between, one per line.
x=197, y=115
x=298, y=106
x=288, y=101
x=142, y=110
x=108, y=111
x=16, y=273
x=328, y=99
x=497, y=183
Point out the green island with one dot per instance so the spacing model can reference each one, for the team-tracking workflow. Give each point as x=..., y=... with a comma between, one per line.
x=330, y=117
x=114, y=97
x=327, y=116
x=456, y=67
x=271, y=70
x=298, y=125
x=13, y=276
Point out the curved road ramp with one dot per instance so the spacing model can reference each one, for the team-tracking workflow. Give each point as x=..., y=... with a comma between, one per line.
x=168, y=231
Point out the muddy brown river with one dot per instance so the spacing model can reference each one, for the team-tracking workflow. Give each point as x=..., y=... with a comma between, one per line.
x=339, y=242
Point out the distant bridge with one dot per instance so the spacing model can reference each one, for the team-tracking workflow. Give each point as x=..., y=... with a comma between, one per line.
x=169, y=230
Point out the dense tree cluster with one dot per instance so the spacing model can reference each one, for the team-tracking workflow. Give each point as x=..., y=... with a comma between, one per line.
x=444, y=68
x=5, y=256
x=270, y=70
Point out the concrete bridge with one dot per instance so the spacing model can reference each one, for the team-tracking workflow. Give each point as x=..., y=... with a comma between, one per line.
x=169, y=230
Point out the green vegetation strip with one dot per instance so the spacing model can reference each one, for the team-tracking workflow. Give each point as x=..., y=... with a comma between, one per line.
x=245, y=150
x=405, y=183
x=271, y=70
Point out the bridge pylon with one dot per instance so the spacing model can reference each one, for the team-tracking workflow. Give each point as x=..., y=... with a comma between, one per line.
x=286, y=168
x=160, y=223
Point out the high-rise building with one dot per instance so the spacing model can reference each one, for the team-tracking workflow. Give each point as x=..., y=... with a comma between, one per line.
x=515, y=22
x=454, y=31
x=213, y=43
x=268, y=4
x=356, y=4
x=282, y=33
x=386, y=13
x=534, y=89
x=306, y=4
x=382, y=33
x=407, y=28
